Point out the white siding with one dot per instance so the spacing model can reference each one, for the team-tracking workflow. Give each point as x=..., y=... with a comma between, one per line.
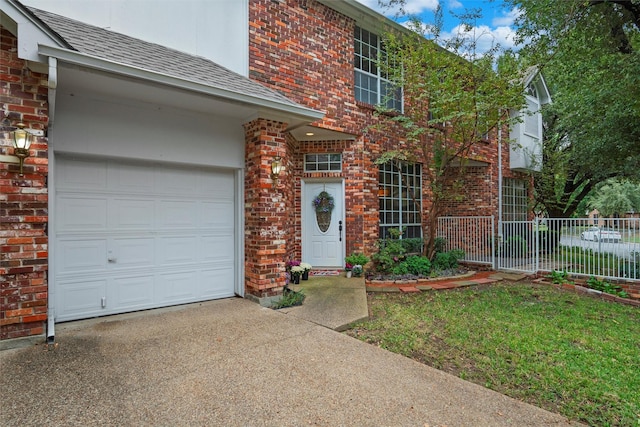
x=214, y=29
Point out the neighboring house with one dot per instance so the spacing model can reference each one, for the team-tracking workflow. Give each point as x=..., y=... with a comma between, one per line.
x=150, y=185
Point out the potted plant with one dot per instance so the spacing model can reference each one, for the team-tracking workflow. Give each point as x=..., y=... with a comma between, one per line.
x=296, y=273
x=357, y=261
x=357, y=270
x=307, y=268
x=347, y=268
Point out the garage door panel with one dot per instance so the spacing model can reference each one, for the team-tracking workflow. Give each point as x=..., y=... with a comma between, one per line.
x=81, y=174
x=177, y=214
x=178, y=287
x=77, y=299
x=219, y=186
x=214, y=282
x=177, y=181
x=133, y=252
x=81, y=255
x=216, y=214
x=132, y=178
x=75, y=213
x=128, y=214
x=217, y=248
x=131, y=293
x=134, y=236
x=177, y=250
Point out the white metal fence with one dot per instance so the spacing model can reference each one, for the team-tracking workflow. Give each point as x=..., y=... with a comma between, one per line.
x=590, y=247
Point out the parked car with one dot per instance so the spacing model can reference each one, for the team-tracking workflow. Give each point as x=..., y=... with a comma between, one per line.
x=598, y=234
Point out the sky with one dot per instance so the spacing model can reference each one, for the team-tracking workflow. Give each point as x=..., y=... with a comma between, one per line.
x=495, y=26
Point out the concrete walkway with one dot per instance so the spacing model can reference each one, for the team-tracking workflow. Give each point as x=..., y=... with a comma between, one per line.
x=333, y=301
x=233, y=363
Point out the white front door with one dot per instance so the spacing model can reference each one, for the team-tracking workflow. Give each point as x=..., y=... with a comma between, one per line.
x=322, y=243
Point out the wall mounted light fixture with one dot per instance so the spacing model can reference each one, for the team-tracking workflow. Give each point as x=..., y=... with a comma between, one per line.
x=276, y=168
x=21, y=143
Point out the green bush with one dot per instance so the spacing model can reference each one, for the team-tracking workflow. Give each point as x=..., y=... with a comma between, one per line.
x=416, y=265
x=356, y=259
x=447, y=260
x=390, y=254
x=604, y=286
x=439, y=243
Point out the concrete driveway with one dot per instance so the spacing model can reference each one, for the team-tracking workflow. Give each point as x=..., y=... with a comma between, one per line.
x=234, y=363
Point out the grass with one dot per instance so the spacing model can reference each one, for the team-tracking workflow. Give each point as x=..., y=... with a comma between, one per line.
x=289, y=298
x=565, y=352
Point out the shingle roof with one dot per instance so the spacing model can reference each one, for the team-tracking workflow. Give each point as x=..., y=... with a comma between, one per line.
x=119, y=48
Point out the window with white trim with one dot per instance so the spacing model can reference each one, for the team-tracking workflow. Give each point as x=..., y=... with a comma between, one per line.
x=515, y=200
x=371, y=85
x=400, y=198
x=323, y=162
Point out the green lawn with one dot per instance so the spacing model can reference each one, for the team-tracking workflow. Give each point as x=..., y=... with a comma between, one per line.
x=568, y=353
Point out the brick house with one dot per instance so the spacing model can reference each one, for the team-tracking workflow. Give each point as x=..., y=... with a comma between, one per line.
x=149, y=181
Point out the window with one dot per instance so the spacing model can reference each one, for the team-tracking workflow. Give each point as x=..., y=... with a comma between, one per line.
x=325, y=162
x=371, y=86
x=514, y=200
x=400, y=198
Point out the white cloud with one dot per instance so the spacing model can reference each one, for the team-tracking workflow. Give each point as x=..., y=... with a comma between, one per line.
x=507, y=19
x=455, y=4
x=484, y=36
x=413, y=7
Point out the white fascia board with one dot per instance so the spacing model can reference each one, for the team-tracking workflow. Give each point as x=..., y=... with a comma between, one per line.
x=76, y=58
x=362, y=14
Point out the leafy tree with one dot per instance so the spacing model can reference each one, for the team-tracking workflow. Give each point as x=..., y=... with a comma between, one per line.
x=615, y=198
x=589, y=53
x=451, y=103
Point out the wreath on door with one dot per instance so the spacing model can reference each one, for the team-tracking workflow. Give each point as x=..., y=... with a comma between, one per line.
x=323, y=204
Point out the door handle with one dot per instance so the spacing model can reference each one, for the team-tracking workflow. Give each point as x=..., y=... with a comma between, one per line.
x=340, y=231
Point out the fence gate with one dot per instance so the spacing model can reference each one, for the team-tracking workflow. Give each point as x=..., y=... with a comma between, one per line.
x=608, y=248
x=517, y=247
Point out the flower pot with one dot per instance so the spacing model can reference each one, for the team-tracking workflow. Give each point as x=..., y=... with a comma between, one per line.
x=305, y=275
x=296, y=279
x=348, y=273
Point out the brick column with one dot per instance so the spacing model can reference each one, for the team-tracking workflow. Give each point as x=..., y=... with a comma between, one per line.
x=265, y=212
x=23, y=199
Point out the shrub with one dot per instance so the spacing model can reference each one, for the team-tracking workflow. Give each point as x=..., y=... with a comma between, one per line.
x=356, y=259
x=604, y=286
x=391, y=253
x=418, y=265
x=447, y=260
x=439, y=243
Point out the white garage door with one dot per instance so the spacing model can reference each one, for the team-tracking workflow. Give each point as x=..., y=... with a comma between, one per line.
x=132, y=236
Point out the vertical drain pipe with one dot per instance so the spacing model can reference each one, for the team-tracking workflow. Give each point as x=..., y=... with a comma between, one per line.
x=499, y=191
x=53, y=84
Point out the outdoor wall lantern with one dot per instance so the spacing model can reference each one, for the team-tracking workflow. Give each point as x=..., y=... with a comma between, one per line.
x=21, y=143
x=276, y=168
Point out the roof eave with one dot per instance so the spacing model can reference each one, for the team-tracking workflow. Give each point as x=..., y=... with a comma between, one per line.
x=81, y=59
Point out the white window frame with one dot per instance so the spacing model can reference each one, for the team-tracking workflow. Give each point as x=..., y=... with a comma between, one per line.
x=367, y=53
x=330, y=161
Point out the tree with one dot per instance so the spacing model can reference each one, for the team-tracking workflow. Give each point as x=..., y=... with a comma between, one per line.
x=452, y=98
x=615, y=198
x=589, y=53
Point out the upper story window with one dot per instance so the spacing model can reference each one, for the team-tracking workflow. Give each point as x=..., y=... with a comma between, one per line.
x=371, y=84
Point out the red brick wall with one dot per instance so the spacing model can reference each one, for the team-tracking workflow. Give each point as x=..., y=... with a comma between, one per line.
x=23, y=199
x=305, y=50
x=265, y=209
